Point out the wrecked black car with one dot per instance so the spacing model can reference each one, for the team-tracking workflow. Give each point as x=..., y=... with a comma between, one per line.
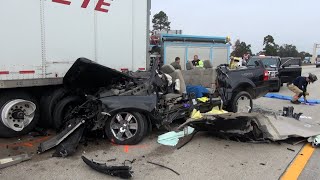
x=124, y=106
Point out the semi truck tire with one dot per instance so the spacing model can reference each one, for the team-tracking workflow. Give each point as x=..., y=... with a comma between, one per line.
x=48, y=103
x=126, y=132
x=63, y=108
x=242, y=102
x=19, y=113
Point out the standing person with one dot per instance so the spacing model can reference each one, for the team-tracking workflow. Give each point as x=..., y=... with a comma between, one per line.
x=176, y=63
x=245, y=58
x=299, y=87
x=233, y=63
x=197, y=62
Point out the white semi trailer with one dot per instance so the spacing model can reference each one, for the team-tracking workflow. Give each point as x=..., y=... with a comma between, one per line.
x=40, y=40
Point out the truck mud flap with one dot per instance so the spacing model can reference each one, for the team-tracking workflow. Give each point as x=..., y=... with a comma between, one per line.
x=123, y=172
x=72, y=126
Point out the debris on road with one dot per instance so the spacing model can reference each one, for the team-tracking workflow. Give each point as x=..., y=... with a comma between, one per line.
x=291, y=149
x=56, y=140
x=253, y=126
x=10, y=161
x=315, y=141
x=164, y=167
x=172, y=138
x=123, y=172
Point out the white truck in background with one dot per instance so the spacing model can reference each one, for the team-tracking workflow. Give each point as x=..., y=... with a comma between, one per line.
x=41, y=39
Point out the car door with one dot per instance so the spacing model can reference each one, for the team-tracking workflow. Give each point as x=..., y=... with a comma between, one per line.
x=289, y=71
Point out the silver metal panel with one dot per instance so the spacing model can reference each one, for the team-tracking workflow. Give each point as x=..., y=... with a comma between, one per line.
x=220, y=56
x=30, y=82
x=69, y=34
x=20, y=37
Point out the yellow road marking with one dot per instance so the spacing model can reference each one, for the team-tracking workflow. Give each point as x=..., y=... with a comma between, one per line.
x=300, y=161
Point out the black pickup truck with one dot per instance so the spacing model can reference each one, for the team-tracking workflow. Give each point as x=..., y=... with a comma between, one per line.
x=238, y=87
x=281, y=70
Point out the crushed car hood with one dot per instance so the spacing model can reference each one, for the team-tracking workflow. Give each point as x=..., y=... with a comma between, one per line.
x=85, y=73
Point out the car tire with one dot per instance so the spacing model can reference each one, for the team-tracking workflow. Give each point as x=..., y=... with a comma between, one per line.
x=241, y=96
x=122, y=134
x=62, y=109
x=278, y=86
x=9, y=97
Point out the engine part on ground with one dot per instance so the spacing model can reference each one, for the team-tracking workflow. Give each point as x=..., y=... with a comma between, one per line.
x=123, y=172
x=19, y=113
x=71, y=127
x=10, y=161
x=288, y=111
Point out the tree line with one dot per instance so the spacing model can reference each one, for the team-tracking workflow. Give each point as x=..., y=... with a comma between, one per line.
x=270, y=49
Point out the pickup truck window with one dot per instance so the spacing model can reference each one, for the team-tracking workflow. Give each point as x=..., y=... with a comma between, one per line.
x=267, y=62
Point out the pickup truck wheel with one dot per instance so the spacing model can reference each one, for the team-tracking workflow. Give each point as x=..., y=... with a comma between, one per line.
x=278, y=86
x=242, y=102
x=126, y=128
x=19, y=113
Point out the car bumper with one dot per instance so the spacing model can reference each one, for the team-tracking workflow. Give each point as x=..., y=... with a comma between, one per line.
x=273, y=84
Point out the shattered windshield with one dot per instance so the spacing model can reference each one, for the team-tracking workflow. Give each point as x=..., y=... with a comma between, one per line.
x=267, y=62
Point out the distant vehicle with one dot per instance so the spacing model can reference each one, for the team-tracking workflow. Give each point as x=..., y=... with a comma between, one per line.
x=307, y=60
x=281, y=70
x=318, y=63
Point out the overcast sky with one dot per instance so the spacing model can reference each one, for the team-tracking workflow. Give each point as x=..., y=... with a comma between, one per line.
x=288, y=21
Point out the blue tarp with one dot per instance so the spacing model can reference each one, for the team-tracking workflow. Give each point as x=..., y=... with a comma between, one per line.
x=198, y=90
x=283, y=97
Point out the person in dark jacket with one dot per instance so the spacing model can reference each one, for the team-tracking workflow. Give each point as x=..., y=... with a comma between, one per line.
x=176, y=63
x=299, y=87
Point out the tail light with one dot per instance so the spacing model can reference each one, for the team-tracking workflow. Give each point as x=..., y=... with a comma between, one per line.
x=266, y=75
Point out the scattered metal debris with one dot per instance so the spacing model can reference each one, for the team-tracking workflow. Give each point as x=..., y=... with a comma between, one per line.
x=70, y=144
x=123, y=172
x=291, y=149
x=61, y=136
x=10, y=161
x=163, y=167
x=252, y=126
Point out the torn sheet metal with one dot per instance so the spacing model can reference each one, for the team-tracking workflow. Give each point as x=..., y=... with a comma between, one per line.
x=69, y=145
x=123, y=172
x=254, y=126
x=10, y=161
x=71, y=127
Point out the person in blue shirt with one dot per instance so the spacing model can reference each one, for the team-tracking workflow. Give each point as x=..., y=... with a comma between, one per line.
x=299, y=87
